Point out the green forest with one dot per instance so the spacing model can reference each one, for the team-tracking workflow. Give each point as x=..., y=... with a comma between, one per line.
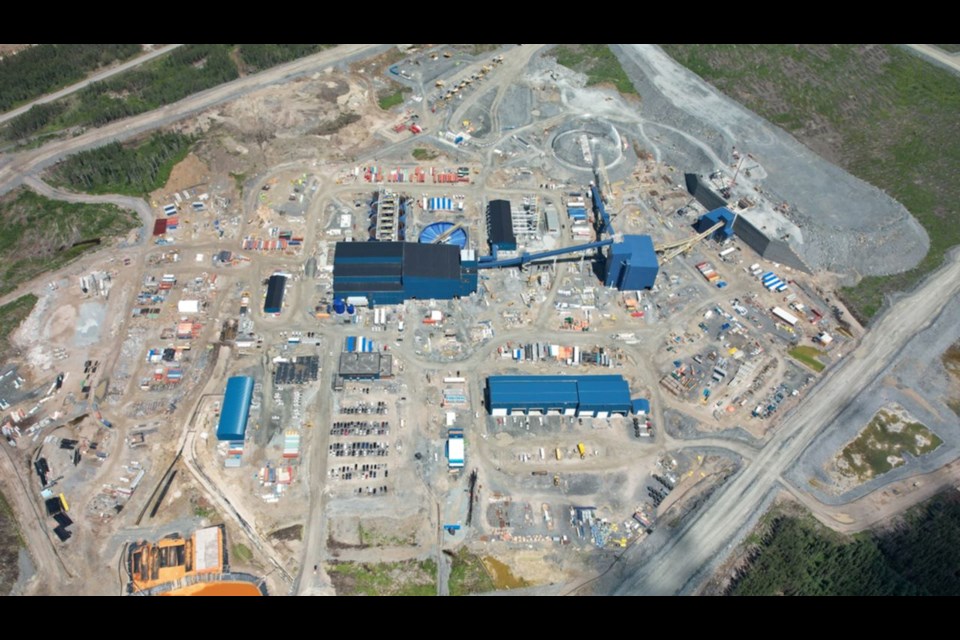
x=41, y=69
x=183, y=72
x=38, y=234
x=257, y=57
x=133, y=170
x=918, y=555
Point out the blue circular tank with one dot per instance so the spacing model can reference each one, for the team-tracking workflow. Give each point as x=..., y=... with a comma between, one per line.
x=437, y=229
x=351, y=309
x=339, y=306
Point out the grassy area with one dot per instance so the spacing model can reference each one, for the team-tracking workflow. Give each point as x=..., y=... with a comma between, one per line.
x=39, y=235
x=134, y=170
x=467, y=575
x=257, y=57
x=423, y=155
x=10, y=543
x=409, y=578
x=44, y=68
x=918, y=555
x=808, y=356
x=949, y=48
x=879, y=447
x=190, y=69
x=885, y=115
x=951, y=361
x=597, y=62
x=389, y=99
x=241, y=552
x=343, y=119
x=11, y=315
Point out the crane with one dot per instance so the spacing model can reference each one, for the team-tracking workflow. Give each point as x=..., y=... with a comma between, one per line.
x=671, y=250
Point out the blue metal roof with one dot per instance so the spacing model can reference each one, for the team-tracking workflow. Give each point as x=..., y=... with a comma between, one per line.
x=236, y=408
x=586, y=393
x=640, y=405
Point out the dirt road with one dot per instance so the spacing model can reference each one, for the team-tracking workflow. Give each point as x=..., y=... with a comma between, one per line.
x=709, y=535
x=103, y=75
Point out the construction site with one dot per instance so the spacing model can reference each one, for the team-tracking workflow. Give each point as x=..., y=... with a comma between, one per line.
x=547, y=345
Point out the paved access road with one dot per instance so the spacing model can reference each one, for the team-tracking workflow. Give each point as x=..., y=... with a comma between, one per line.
x=103, y=75
x=28, y=162
x=951, y=60
x=704, y=541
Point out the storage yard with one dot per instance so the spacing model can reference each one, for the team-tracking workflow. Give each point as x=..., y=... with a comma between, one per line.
x=544, y=346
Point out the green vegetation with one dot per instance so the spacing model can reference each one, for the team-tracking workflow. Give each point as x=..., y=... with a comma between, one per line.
x=204, y=511
x=190, y=69
x=878, y=448
x=257, y=57
x=241, y=552
x=239, y=179
x=10, y=543
x=423, y=155
x=919, y=555
x=389, y=99
x=885, y=115
x=808, y=356
x=949, y=48
x=467, y=575
x=133, y=170
x=41, y=69
x=291, y=533
x=374, y=538
x=343, y=119
x=409, y=578
x=38, y=234
x=12, y=315
x=598, y=62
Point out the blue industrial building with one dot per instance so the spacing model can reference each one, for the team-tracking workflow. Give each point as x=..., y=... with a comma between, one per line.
x=632, y=264
x=391, y=272
x=500, y=226
x=590, y=396
x=708, y=220
x=276, y=286
x=235, y=409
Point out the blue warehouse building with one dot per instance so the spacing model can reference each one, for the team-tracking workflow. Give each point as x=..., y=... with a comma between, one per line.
x=276, y=286
x=589, y=396
x=391, y=272
x=500, y=226
x=632, y=264
x=235, y=409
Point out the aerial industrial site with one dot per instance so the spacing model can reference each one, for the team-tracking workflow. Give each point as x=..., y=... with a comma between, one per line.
x=512, y=332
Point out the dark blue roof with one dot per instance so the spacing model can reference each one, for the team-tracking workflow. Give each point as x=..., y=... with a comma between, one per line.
x=641, y=405
x=235, y=409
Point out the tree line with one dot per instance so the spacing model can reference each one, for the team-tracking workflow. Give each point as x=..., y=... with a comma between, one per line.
x=190, y=69
x=920, y=555
x=127, y=169
x=43, y=68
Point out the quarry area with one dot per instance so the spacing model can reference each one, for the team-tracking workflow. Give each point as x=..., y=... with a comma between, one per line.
x=502, y=334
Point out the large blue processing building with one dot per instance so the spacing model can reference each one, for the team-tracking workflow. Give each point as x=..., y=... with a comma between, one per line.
x=391, y=272
x=632, y=264
x=589, y=396
x=235, y=409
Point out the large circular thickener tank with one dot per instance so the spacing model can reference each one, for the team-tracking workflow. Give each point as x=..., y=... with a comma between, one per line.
x=437, y=229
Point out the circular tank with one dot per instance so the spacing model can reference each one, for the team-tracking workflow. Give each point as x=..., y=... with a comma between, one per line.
x=351, y=309
x=339, y=306
x=437, y=229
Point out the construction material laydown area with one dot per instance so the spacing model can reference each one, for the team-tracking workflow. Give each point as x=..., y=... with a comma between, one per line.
x=440, y=320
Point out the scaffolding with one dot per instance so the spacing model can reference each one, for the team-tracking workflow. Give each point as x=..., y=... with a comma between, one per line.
x=526, y=220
